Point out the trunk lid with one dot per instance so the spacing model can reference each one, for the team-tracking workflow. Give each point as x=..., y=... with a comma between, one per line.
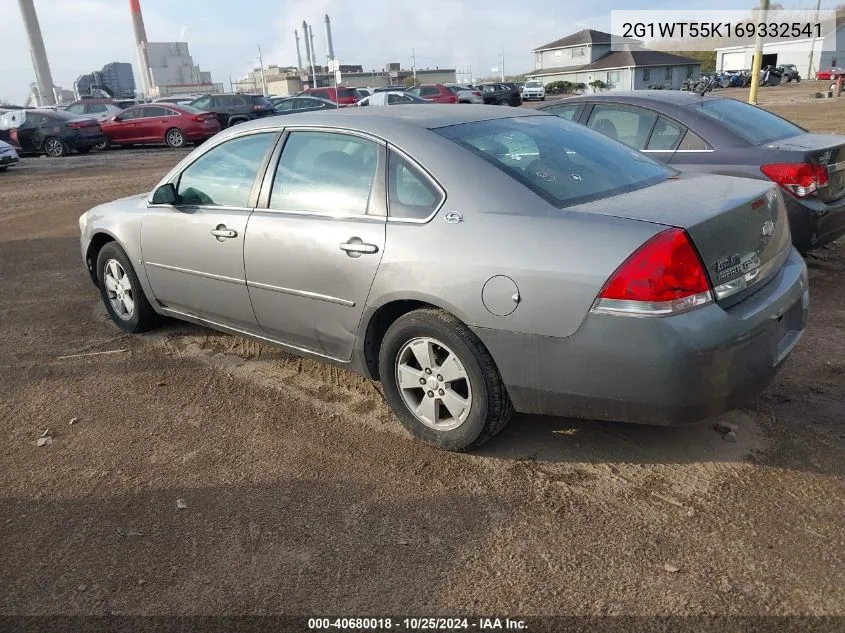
x=820, y=149
x=738, y=225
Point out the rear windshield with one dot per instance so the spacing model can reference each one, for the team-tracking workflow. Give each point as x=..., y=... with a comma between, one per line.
x=563, y=162
x=189, y=109
x=345, y=92
x=751, y=123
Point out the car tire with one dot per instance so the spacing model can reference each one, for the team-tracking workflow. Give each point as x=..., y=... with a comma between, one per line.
x=121, y=291
x=102, y=147
x=54, y=147
x=472, y=386
x=175, y=138
x=503, y=102
x=542, y=98
x=236, y=121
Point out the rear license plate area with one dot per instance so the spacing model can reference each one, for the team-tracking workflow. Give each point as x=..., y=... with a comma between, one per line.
x=787, y=329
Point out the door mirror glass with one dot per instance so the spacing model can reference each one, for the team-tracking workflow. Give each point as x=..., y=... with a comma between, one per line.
x=165, y=194
x=115, y=118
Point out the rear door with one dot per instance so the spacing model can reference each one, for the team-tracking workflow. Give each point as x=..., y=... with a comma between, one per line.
x=155, y=123
x=222, y=107
x=32, y=133
x=312, y=254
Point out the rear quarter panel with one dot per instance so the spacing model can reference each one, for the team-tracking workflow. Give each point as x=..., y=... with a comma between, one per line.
x=558, y=259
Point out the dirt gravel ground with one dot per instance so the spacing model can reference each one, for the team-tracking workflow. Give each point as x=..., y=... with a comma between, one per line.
x=301, y=495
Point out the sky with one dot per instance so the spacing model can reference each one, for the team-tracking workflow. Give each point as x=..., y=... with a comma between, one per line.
x=223, y=36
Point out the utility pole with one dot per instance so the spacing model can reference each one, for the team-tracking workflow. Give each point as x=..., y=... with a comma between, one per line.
x=414, y=66
x=503, y=65
x=758, y=57
x=313, y=53
x=470, y=76
x=813, y=45
x=263, y=75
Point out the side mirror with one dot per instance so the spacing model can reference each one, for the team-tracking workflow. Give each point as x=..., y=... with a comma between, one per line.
x=165, y=194
x=115, y=118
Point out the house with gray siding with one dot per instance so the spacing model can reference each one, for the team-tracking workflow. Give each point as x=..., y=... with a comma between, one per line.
x=586, y=56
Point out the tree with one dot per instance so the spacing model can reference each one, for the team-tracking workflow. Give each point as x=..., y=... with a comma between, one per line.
x=597, y=84
x=580, y=87
x=409, y=82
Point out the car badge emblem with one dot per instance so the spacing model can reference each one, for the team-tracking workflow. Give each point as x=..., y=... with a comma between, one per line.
x=575, y=177
x=453, y=217
x=768, y=228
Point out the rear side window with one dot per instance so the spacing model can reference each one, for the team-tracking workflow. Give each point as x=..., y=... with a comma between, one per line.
x=411, y=195
x=345, y=93
x=747, y=121
x=666, y=135
x=323, y=94
x=622, y=123
x=560, y=161
x=692, y=142
x=428, y=91
x=224, y=175
x=97, y=108
x=154, y=111
x=203, y=103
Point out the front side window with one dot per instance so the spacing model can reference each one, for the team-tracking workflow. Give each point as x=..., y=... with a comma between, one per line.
x=224, y=175
x=326, y=173
x=560, y=161
x=131, y=113
x=622, y=123
x=284, y=106
x=97, y=108
x=411, y=195
x=155, y=111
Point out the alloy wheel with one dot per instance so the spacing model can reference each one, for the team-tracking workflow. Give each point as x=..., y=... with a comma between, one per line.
x=433, y=383
x=53, y=147
x=175, y=138
x=119, y=290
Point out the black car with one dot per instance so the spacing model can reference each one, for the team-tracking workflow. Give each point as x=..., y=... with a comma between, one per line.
x=717, y=135
x=55, y=133
x=500, y=94
x=289, y=105
x=232, y=108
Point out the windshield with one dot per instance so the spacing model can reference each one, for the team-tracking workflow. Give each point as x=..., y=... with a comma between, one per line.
x=749, y=122
x=563, y=162
x=533, y=84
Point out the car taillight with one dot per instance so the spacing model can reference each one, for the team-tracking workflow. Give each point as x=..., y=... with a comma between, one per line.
x=477, y=93
x=799, y=179
x=13, y=134
x=77, y=125
x=201, y=117
x=664, y=276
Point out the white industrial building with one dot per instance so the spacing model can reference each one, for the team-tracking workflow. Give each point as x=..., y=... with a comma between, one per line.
x=826, y=52
x=173, y=71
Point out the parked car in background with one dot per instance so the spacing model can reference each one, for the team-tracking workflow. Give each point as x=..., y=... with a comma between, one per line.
x=8, y=156
x=789, y=72
x=55, y=133
x=289, y=105
x=396, y=88
x=435, y=93
x=341, y=95
x=501, y=94
x=832, y=73
x=177, y=99
x=533, y=89
x=98, y=107
x=160, y=123
x=391, y=98
x=332, y=244
x=231, y=108
x=362, y=93
x=712, y=134
x=465, y=94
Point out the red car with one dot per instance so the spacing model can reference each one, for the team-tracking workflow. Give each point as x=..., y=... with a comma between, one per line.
x=436, y=93
x=831, y=73
x=157, y=123
x=340, y=95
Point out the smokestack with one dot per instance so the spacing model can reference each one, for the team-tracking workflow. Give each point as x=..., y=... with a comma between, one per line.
x=309, y=53
x=298, y=54
x=313, y=48
x=141, y=46
x=39, y=55
x=329, y=44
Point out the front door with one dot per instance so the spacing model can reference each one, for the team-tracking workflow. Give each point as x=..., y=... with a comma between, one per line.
x=193, y=251
x=127, y=128
x=311, y=257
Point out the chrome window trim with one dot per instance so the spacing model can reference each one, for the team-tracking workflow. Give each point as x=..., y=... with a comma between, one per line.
x=678, y=151
x=426, y=175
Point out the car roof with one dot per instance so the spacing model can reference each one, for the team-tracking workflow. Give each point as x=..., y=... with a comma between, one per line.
x=382, y=120
x=673, y=97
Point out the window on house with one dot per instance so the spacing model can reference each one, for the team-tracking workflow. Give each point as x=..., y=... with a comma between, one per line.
x=614, y=77
x=668, y=74
x=690, y=71
x=578, y=52
x=646, y=74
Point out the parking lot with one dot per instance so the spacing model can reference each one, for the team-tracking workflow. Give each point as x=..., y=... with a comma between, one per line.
x=192, y=472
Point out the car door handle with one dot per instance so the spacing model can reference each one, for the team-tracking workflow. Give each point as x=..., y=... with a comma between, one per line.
x=221, y=233
x=356, y=247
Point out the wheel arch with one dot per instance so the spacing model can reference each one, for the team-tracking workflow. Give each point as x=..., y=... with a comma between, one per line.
x=95, y=245
x=383, y=316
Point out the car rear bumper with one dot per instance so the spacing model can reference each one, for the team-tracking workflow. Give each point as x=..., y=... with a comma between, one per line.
x=7, y=160
x=672, y=370
x=527, y=96
x=88, y=141
x=813, y=223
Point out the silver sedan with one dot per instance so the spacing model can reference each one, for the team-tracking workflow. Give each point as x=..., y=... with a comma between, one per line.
x=477, y=261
